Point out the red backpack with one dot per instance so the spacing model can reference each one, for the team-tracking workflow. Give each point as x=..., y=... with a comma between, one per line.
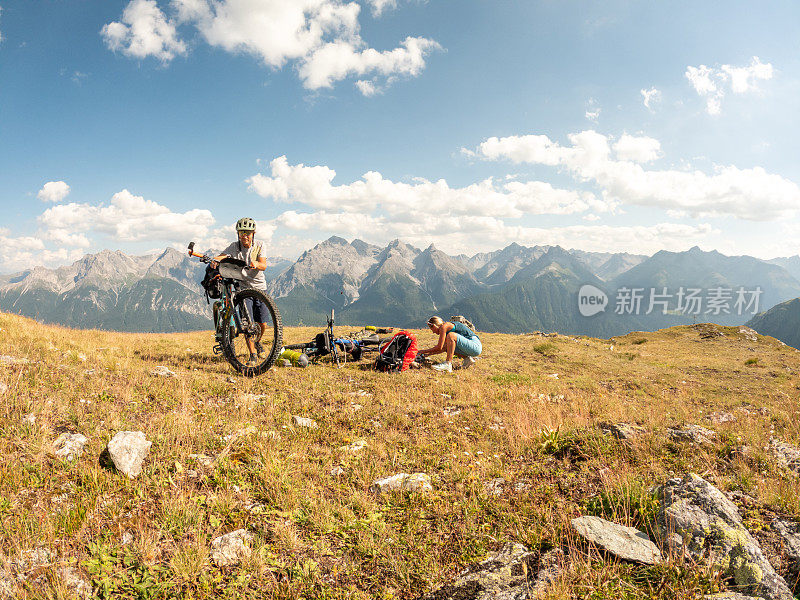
x=398, y=352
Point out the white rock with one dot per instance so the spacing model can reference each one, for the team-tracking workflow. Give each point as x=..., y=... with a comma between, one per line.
x=231, y=548
x=337, y=472
x=451, y=411
x=162, y=371
x=626, y=542
x=203, y=460
x=418, y=482
x=355, y=446
x=3, y=388
x=69, y=446
x=29, y=419
x=13, y=360
x=128, y=450
x=75, y=583
x=127, y=538
x=553, y=375
x=494, y=487
x=304, y=422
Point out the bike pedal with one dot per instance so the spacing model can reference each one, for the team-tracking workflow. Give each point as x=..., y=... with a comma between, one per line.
x=217, y=349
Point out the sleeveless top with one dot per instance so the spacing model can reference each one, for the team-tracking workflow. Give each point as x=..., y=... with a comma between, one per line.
x=462, y=329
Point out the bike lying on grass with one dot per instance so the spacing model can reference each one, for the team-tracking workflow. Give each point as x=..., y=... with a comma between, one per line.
x=234, y=326
x=341, y=349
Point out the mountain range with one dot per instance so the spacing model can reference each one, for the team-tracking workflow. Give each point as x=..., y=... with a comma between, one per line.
x=514, y=289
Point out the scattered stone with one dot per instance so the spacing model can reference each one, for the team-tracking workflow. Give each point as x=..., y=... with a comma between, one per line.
x=627, y=543
x=730, y=596
x=13, y=360
x=697, y=518
x=3, y=388
x=692, y=433
x=360, y=393
x=231, y=548
x=162, y=371
x=128, y=450
x=255, y=508
x=451, y=411
x=504, y=576
x=82, y=356
x=254, y=397
x=788, y=456
x=74, y=583
x=337, y=472
x=355, y=446
x=127, y=538
x=553, y=375
x=720, y=417
x=355, y=407
x=494, y=487
x=750, y=335
x=522, y=486
x=304, y=422
x=89, y=372
x=376, y=424
x=69, y=446
x=204, y=460
x=29, y=419
x=30, y=560
x=789, y=531
x=708, y=331
x=237, y=435
x=622, y=431
x=232, y=380
x=418, y=482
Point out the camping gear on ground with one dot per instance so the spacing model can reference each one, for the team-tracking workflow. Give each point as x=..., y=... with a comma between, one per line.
x=295, y=358
x=398, y=353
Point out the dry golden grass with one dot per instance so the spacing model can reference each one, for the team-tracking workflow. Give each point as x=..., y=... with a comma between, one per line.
x=323, y=536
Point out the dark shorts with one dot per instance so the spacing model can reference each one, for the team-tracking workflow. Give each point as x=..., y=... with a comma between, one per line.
x=258, y=310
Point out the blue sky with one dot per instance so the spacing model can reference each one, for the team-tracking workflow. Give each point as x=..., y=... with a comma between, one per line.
x=615, y=126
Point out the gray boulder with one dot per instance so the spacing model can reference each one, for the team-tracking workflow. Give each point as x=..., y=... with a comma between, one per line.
x=306, y=422
x=418, y=482
x=627, y=543
x=128, y=450
x=695, y=434
x=789, y=531
x=505, y=575
x=622, y=431
x=695, y=517
x=231, y=548
x=788, y=456
x=69, y=446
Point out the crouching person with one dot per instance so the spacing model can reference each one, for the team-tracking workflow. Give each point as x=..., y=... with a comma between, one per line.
x=455, y=339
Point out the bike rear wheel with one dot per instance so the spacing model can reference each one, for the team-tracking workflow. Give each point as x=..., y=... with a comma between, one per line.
x=235, y=346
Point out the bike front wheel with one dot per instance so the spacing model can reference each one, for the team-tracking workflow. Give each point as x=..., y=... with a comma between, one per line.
x=258, y=328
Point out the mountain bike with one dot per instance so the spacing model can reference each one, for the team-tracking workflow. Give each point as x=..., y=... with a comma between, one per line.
x=352, y=347
x=234, y=326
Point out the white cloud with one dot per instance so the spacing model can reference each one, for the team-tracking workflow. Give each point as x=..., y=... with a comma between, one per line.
x=743, y=79
x=651, y=98
x=26, y=252
x=126, y=218
x=53, y=191
x=378, y=6
x=470, y=234
x=750, y=194
x=637, y=149
x=144, y=31
x=711, y=84
x=420, y=200
x=320, y=37
x=592, y=110
x=1, y=14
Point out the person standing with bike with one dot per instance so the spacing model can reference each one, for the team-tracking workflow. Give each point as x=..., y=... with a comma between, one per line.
x=251, y=253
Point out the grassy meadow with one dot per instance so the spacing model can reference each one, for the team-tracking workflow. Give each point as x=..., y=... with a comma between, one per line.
x=530, y=414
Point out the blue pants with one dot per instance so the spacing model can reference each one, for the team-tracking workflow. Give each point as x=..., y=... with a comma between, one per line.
x=258, y=310
x=468, y=347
